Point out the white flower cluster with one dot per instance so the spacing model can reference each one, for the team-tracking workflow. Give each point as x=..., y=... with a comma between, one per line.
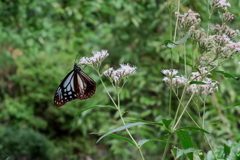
x=188, y=19
x=178, y=81
x=172, y=79
x=123, y=72
x=97, y=57
x=220, y=4
x=227, y=17
x=207, y=88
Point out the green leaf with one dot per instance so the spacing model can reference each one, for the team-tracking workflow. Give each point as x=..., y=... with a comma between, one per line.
x=166, y=122
x=121, y=128
x=183, y=39
x=186, y=142
x=123, y=138
x=227, y=75
x=227, y=149
x=141, y=142
x=189, y=128
x=148, y=122
x=197, y=82
x=181, y=152
x=85, y=109
x=171, y=44
x=181, y=60
x=235, y=105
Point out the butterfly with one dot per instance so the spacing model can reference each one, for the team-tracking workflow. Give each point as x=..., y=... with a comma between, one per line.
x=75, y=85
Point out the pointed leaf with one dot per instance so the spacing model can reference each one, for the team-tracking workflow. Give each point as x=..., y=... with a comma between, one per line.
x=180, y=152
x=197, y=82
x=183, y=39
x=186, y=141
x=121, y=128
x=166, y=122
x=235, y=105
x=192, y=129
x=141, y=142
x=227, y=149
x=123, y=138
x=227, y=75
x=148, y=122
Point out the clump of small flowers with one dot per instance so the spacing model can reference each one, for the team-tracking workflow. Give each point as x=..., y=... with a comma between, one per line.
x=173, y=80
x=97, y=58
x=225, y=30
x=220, y=4
x=209, y=87
x=188, y=19
x=121, y=73
x=227, y=17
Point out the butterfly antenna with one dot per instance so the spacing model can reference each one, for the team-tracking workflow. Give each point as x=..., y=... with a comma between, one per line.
x=78, y=57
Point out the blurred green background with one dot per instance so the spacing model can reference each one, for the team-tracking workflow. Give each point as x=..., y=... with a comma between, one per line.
x=39, y=41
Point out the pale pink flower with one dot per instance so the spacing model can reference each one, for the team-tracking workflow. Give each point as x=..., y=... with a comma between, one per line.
x=117, y=75
x=97, y=58
x=189, y=19
x=220, y=4
x=170, y=72
x=227, y=17
x=176, y=81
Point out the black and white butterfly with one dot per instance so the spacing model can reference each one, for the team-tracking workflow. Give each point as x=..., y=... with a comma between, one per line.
x=75, y=85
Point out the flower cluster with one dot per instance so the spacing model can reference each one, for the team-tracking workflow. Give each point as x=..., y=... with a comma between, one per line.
x=172, y=79
x=208, y=87
x=170, y=72
x=220, y=4
x=234, y=46
x=121, y=73
x=188, y=19
x=227, y=17
x=97, y=58
x=225, y=30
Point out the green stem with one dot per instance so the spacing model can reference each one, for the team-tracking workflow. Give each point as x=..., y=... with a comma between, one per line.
x=210, y=146
x=183, y=111
x=166, y=147
x=120, y=113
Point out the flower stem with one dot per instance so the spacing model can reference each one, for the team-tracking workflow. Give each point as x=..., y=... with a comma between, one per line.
x=120, y=113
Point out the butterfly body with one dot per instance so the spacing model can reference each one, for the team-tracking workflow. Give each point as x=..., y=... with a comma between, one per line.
x=75, y=85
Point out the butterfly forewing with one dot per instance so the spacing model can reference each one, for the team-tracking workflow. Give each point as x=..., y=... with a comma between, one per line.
x=75, y=85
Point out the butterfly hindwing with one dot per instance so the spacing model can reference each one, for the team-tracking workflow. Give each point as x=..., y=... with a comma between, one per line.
x=75, y=85
x=85, y=87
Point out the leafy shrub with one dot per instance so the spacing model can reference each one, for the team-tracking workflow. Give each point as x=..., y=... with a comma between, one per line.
x=23, y=144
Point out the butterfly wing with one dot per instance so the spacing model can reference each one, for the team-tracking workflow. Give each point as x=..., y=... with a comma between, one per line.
x=65, y=92
x=85, y=87
x=76, y=84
